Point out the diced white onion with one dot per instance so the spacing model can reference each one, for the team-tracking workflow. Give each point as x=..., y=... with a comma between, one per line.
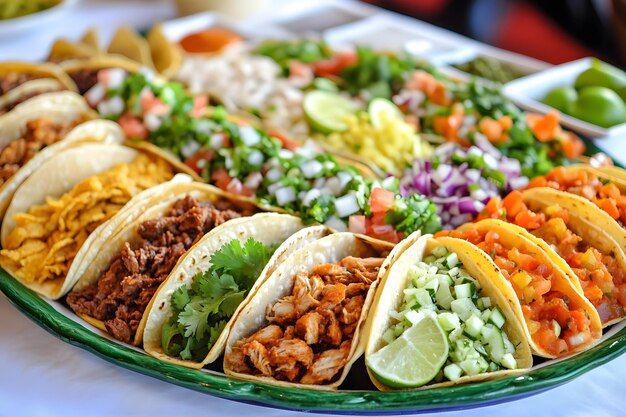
x=254, y=180
x=337, y=224
x=285, y=154
x=344, y=178
x=95, y=94
x=274, y=174
x=310, y=196
x=519, y=182
x=255, y=158
x=153, y=122
x=116, y=77
x=346, y=205
x=333, y=185
x=217, y=140
x=311, y=168
x=249, y=135
x=204, y=126
x=285, y=195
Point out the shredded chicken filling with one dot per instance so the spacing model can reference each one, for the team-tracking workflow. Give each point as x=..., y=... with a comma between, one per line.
x=310, y=334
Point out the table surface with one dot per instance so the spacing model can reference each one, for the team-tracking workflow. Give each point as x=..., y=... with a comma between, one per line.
x=43, y=376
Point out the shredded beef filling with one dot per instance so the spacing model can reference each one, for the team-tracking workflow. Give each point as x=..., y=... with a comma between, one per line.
x=22, y=98
x=85, y=78
x=120, y=297
x=14, y=79
x=39, y=133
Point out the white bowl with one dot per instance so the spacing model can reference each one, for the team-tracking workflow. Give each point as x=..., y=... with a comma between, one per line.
x=33, y=22
x=527, y=92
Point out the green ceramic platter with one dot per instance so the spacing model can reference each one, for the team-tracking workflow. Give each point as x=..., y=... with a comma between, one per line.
x=59, y=321
x=356, y=395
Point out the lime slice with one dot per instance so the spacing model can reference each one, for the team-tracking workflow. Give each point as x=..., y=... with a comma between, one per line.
x=414, y=358
x=381, y=109
x=326, y=111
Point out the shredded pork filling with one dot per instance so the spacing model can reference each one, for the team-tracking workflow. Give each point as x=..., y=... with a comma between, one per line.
x=310, y=334
x=120, y=297
x=38, y=134
x=14, y=79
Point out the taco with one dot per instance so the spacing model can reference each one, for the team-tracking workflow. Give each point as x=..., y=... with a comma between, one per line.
x=557, y=319
x=65, y=50
x=613, y=171
x=59, y=208
x=106, y=69
x=214, y=280
x=568, y=233
x=451, y=281
x=602, y=189
x=142, y=252
x=303, y=326
x=16, y=73
x=128, y=43
x=38, y=129
x=166, y=55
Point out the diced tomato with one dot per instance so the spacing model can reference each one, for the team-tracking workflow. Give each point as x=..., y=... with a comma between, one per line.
x=347, y=58
x=556, y=309
x=513, y=203
x=573, y=146
x=523, y=261
x=529, y=220
x=608, y=205
x=357, y=224
x=287, y=142
x=221, y=178
x=152, y=104
x=385, y=232
x=199, y=106
x=133, y=127
x=491, y=128
x=201, y=155
x=381, y=200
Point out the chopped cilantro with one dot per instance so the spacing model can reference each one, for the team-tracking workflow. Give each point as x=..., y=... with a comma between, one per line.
x=200, y=312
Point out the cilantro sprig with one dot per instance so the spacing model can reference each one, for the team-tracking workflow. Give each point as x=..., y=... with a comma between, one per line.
x=200, y=312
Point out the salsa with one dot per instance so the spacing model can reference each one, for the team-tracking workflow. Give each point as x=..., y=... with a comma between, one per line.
x=601, y=191
x=556, y=324
x=601, y=276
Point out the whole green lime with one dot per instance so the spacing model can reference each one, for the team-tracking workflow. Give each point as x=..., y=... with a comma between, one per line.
x=561, y=98
x=601, y=75
x=600, y=106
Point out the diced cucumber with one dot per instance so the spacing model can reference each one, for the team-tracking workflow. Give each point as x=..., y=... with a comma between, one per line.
x=474, y=366
x=508, y=361
x=463, y=291
x=494, y=342
x=413, y=316
x=478, y=346
x=423, y=299
x=473, y=326
x=456, y=334
x=444, y=297
x=485, y=315
x=449, y=321
x=483, y=303
x=464, y=307
x=453, y=272
x=508, y=346
x=452, y=372
x=389, y=335
x=439, y=251
x=432, y=286
x=497, y=317
x=452, y=260
x=493, y=367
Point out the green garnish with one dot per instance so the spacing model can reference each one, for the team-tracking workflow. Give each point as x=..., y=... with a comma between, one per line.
x=200, y=312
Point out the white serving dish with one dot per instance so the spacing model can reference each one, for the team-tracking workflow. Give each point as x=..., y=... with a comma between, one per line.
x=523, y=64
x=390, y=33
x=320, y=17
x=527, y=92
x=33, y=22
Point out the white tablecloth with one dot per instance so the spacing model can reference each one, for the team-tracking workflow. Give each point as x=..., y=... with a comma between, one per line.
x=42, y=376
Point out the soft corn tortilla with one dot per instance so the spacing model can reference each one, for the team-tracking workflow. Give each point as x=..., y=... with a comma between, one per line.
x=514, y=235
x=477, y=264
x=586, y=210
x=166, y=55
x=267, y=228
x=150, y=204
x=30, y=89
x=91, y=131
x=45, y=70
x=582, y=222
x=60, y=174
x=128, y=43
x=278, y=284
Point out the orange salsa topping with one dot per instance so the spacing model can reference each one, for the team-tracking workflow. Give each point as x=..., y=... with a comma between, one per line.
x=601, y=191
x=555, y=323
x=600, y=275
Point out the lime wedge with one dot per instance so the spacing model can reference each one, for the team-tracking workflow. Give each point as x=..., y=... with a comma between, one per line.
x=326, y=111
x=381, y=109
x=414, y=358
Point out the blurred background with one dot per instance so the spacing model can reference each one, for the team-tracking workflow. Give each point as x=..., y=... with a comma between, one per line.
x=555, y=31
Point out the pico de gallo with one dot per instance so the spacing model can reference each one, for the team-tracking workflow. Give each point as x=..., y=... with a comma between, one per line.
x=272, y=169
x=601, y=276
x=557, y=324
x=603, y=192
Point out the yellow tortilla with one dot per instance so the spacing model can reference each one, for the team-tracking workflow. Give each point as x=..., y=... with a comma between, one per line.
x=128, y=43
x=45, y=70
x=480, y=267
x=166, y=56
x=331, y=248
x=514, y=236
